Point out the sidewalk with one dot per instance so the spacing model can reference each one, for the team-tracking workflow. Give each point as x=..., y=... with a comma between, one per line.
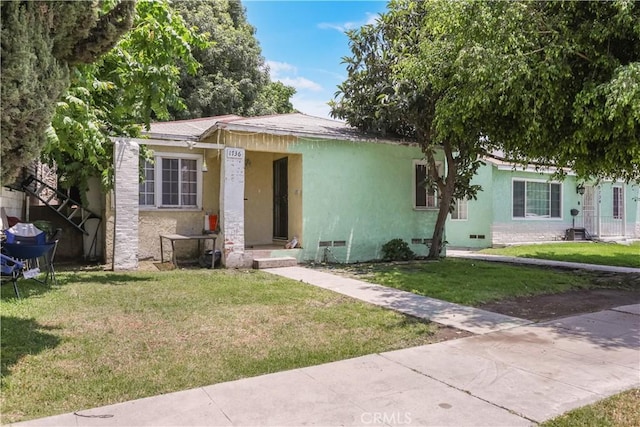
x=512, y=373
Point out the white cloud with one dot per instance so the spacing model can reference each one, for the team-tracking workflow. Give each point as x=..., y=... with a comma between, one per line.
x=371, y=18
x=276, y=68
x=288, y=74
x=312, y=107
x=300, y=83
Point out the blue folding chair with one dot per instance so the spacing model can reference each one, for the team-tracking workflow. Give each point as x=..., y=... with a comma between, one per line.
x=12, y=268
x=30, y=250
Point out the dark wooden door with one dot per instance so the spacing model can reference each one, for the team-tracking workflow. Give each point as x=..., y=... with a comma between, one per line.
x=280, y=199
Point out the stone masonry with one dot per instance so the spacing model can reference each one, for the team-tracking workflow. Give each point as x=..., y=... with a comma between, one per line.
x=232, y=207
x=125, y=227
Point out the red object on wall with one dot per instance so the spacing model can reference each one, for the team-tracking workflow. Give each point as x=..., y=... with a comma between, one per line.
x=213, y=222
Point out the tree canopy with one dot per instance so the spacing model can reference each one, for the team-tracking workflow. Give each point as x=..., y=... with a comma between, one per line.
x=543, y=81
x=233, y=78
x=40, y=42
x=125, y=89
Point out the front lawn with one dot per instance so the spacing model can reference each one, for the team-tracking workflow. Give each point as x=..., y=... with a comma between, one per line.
x=471, y=282
x=99, y=337
x=587, y=252
x=620, y=410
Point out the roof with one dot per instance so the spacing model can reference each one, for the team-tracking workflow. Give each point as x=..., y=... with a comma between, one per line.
x=501, y=161
x=185, y=129
x=295, y=124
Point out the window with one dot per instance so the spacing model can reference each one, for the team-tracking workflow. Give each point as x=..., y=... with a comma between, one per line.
x=460, y=211
x=147, y=192
x=536, y=199
x=171, y=182
x=424, y=198
x=618, y=203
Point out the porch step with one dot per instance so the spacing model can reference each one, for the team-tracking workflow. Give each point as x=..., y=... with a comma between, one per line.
x=576, y=234
x=285, y=261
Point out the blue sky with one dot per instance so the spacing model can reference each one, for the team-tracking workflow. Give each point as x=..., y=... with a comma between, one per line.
x=303, y=43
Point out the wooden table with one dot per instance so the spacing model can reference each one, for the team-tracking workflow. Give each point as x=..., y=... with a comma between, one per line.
x=198, y=237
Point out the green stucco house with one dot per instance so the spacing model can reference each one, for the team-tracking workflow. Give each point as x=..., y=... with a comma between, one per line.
x=525, y=204
x=268, y=180
x=339, y=193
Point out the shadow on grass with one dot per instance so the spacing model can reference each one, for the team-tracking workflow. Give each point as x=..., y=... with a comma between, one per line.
x=21, y=337
x=116, y=279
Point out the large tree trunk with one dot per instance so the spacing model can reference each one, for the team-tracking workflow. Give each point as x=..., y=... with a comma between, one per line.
x=446, y=188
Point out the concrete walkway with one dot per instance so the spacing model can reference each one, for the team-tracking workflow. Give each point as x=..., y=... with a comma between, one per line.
x=512, y=374
x=443, y=312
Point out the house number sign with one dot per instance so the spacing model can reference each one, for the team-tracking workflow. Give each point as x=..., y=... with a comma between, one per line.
x=234, y=153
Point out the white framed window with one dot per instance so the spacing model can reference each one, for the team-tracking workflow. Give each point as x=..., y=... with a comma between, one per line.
x=618, y=203
x=173, y=180
x=460, y=210
x=536, y=199
x=424, y=197
x=147, y=186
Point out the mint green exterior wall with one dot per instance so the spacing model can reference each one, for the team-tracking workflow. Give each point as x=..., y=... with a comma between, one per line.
x=362, y=194
x=468, y=233
x=507, y=229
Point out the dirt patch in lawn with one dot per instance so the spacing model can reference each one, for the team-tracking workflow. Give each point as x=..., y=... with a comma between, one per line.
x=616, y=290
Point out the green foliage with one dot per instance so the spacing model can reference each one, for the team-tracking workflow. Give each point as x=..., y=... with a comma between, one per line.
x=397, y=250
x=383, y=95
x=233, y=78
x=274, y=98
x=544, y=81
x=39, y=41
x=128, y=87
x=554, y=82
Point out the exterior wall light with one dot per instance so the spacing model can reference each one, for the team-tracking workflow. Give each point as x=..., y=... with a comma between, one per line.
x=580, y=189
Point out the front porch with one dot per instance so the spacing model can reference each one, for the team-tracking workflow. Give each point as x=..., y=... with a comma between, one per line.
x=271, y=255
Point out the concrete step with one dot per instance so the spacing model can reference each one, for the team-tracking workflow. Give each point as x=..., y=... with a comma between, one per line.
x=285, y=261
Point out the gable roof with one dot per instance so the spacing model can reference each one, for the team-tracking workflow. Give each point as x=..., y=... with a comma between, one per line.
x=190, y=129
x=295, y=124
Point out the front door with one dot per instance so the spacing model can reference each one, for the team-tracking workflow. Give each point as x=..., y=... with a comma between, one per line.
x=280, y=199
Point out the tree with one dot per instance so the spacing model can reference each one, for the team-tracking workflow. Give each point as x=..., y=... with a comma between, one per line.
x=274, y=98
x=233, y=78
x=541, y=80
x=379, y=96
x=567, y=89
x=135, y=82
x=40, y=41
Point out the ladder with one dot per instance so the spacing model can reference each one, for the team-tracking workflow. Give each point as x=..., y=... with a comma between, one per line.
x=69, y=209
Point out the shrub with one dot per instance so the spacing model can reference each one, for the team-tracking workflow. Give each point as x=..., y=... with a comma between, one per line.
x=397, y=250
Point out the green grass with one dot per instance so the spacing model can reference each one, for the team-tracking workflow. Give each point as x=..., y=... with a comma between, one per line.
x=100, y=337
x=621, y=410
x=469, y=282
x=587, y=252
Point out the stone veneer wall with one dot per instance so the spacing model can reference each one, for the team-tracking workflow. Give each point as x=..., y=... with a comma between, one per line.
x=232, y=207
x=524, y=232
x=125, y=217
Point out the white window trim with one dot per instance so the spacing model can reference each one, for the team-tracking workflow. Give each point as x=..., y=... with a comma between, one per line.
x=466, y=201
x=157, y=158
x=534, y=218
x=415, y=163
